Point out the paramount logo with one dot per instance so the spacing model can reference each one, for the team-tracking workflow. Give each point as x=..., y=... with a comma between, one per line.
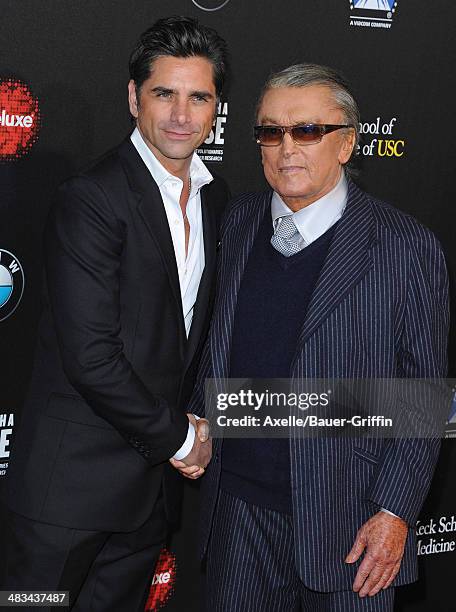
x=372, y=13
x=6, y=120
x=373, y=4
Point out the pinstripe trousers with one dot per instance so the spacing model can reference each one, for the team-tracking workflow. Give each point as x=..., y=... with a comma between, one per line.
x=251, y=567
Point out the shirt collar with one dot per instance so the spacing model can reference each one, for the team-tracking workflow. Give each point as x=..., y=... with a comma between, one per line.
x=199, y=174
x=314, y=220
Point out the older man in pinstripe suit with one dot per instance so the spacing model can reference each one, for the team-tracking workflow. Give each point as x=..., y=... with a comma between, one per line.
x=318, y=280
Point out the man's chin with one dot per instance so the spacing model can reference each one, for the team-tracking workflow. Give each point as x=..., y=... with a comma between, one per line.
x=179, y=152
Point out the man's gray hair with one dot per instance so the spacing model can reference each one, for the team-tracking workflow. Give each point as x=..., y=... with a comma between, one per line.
x=303, y=75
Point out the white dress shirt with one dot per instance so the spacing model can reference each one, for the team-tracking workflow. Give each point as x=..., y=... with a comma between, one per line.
x=315, y=219
x=189, y=267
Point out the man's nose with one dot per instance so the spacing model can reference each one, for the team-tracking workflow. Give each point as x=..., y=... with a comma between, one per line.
x=288, y=144
x=180, y=112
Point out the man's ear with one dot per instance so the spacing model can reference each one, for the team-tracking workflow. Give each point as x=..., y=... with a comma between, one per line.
x=132, y=99
x=347, y=146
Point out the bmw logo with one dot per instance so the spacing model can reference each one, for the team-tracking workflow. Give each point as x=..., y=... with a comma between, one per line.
x=11, y=284
x=210, y=5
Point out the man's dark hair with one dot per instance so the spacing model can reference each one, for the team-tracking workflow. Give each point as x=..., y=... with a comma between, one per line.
x=178, y=37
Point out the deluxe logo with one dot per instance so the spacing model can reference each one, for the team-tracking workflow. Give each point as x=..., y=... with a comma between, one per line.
x=19, y=119
x=6, y=431
x=385, y=144
x=210, y=5
x=11, y=284
x=372, y=13
x=163, y=582
x=212, y=148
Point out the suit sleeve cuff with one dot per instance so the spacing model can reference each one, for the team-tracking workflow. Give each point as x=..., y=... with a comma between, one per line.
x=187, y=445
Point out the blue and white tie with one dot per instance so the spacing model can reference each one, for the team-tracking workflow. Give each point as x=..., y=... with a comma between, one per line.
x=286, y=238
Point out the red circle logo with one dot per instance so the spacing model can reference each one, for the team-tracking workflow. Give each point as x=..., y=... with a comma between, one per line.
x=19, y=119
x=163, y=582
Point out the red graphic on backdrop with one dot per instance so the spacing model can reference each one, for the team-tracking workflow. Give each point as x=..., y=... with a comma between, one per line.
x=163, y=582
x=19, y=119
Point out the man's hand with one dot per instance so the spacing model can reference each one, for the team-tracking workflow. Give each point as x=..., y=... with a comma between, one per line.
x=193, y=465
x=383, y=537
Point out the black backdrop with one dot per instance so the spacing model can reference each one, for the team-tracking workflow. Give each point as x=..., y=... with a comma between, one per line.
x=72, y=55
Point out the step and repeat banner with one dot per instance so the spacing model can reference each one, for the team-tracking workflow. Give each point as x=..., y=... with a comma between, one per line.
x=63, y=102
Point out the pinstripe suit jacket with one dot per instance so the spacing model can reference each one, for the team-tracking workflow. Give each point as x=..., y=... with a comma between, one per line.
x=379, y=310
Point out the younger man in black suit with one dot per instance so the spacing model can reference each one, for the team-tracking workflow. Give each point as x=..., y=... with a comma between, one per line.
x=130, y=253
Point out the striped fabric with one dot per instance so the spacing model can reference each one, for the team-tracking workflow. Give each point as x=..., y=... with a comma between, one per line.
x=251, y=567
x=380, y=310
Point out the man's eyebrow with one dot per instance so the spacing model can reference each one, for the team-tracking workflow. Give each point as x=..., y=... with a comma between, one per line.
x=160, y=89
x=199, y=93
x=202, y=94
x=268, y=121
x=271, y=121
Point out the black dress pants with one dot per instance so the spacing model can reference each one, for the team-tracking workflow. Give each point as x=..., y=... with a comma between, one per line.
x=102, y=571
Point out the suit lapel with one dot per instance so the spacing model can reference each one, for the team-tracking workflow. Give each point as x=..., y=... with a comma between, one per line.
x=233, y=259
x=204, y=290
x=348, y=261
x=151, y=210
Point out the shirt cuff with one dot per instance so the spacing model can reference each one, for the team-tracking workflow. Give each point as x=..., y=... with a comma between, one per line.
x=388, y=512
x=187, y=445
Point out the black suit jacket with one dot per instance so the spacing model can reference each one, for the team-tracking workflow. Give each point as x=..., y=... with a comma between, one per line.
x=113, y=369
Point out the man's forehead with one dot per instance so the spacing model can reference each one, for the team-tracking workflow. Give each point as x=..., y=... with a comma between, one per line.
x=298, y=96
x=178, y=70
x=308, y=104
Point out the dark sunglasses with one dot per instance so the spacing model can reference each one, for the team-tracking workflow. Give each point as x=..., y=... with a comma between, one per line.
x=305, y=134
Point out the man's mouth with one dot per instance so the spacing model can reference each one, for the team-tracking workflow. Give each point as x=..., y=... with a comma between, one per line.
x=290, y=169
x=177, y=135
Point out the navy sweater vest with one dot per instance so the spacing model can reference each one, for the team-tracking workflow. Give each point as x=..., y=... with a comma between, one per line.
x=271, y=306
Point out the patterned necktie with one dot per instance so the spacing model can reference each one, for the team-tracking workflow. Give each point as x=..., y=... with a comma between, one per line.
x=286, y=238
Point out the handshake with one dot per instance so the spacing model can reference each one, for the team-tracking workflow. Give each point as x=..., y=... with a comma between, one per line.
x=193, y=465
